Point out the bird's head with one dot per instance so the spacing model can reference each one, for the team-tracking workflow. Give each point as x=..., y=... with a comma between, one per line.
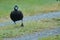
x=15, y=7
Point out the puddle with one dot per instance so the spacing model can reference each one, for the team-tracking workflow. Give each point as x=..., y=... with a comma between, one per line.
x=37, y=35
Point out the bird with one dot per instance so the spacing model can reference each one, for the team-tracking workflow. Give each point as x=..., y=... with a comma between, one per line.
x=16, y=15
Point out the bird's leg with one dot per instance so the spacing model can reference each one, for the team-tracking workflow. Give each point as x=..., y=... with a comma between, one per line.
x=22, y=24
x=14, y=22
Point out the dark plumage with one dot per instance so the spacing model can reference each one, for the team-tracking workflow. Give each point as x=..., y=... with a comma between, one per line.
x=16, y=15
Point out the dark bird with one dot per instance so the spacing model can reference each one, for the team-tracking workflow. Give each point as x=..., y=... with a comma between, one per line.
x=16, y=15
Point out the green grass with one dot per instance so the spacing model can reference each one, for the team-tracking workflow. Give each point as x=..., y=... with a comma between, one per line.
x=29, y=28
x=28, y=7
x=56, y=37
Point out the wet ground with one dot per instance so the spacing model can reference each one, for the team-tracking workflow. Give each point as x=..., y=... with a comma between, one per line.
x=36, y=35
x=35, y=17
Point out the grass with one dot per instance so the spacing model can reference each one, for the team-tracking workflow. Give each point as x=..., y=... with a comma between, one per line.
x=28, y=7
x=56, y=37
x=29, y=28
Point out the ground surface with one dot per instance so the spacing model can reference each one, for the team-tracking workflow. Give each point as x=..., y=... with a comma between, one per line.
x=33, y=23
